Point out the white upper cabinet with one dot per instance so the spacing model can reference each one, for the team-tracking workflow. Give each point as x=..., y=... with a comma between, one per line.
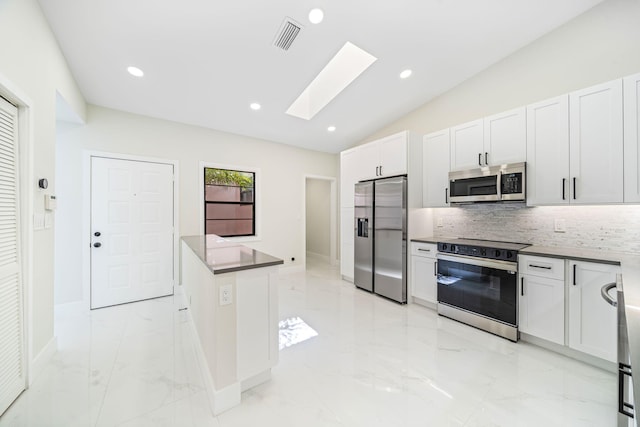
x=393, y=154
x=631, y=138
x=595, y=144
x=494, y=140
x=467, y=145
x=368, y=165
x=548, y=152
x=435, y=169
x=505, y=138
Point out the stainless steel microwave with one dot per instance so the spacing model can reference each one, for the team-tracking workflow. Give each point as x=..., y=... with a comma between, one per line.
x=488, y=184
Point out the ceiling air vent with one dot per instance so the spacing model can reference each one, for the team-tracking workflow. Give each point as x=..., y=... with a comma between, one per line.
x=287, y=33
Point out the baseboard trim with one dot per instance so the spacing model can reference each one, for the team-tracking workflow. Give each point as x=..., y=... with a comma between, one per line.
x=292, y=269
x=314, y=255
x=39, y=363
x=569, y=352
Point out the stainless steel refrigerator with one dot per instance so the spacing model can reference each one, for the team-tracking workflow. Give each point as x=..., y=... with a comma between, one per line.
x=380, y=258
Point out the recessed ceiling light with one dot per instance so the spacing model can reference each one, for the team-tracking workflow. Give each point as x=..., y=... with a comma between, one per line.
x=316, y=16
x=405, y=74
x=255, y=106
x=331, y=128
x=135, y=71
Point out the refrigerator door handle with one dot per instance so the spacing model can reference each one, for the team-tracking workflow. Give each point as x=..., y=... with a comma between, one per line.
x=624, y=370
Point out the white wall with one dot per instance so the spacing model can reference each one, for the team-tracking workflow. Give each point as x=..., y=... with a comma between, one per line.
x=31, y=63
x=318, y=216
x=282, y=175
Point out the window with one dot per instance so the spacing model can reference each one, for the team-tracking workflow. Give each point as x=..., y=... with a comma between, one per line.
x=229, y=202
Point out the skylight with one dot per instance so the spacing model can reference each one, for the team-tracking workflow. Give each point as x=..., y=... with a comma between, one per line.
x=342, y=69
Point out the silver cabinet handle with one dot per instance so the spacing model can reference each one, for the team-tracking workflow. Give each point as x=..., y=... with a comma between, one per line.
x=522, y=286
x=486, y=158
x=604, y=291
x=424, y=250
x=380, y=170
x=435, y=268
x=479, y=159
x=564, y=181
x=574, y=188
x=574, y=274
x=446, y=195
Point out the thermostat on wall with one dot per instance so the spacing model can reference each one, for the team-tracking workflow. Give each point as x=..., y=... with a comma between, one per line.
x=50, y=202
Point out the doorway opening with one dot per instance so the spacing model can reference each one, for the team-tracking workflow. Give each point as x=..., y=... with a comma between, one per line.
x=320, y=221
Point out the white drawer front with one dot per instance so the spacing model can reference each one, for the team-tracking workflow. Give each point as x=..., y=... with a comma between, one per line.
x=424, y=249
x=552, y=268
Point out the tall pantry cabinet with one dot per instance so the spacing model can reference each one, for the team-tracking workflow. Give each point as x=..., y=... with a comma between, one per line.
x=397, y=154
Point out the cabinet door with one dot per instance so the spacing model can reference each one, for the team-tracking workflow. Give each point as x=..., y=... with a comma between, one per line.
x=467, y=150
x=348, y=171
x=595, y=144
x=542, y=308
x=548, y=152
x=632, y=138
x=592, y=321
x=423, y=279
x=393, y=154
x=435, y=169
x=505, y=138
x=368, y=161
x=347, y=233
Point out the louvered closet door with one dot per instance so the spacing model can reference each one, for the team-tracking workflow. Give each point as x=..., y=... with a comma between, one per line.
x=12, y=378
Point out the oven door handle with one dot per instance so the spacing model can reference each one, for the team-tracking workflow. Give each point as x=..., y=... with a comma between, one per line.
x=480, y=262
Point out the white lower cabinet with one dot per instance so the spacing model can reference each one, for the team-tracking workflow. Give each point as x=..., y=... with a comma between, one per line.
x=542, y=300
x=423, y=271
x=568, y=312
x=592, y=321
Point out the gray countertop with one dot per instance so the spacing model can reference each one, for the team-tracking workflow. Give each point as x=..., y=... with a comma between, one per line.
x=224, y=256
x=577, y=254
x=426, y=239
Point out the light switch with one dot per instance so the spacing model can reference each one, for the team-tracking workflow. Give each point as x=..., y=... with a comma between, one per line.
x=38, y=221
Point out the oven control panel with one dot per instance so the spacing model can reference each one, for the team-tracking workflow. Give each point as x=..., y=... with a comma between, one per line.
x=478, y=251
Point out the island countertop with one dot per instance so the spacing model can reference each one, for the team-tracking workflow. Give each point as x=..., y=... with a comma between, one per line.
x=225, y=256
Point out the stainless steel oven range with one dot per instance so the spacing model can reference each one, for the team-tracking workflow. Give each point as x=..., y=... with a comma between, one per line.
x=478, y=284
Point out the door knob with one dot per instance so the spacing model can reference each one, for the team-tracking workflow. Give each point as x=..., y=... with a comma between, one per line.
x=97, y=245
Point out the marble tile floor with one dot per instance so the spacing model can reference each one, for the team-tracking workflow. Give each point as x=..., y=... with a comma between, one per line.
x=373, y=363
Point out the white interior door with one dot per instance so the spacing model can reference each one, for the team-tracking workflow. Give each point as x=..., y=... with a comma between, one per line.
x=131, y=231
x=12, y=372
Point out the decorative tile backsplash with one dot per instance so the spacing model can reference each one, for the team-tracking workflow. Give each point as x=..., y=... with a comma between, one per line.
x=615, y=228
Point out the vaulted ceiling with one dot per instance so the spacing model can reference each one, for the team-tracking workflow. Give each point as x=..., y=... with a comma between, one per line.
x=206, y=61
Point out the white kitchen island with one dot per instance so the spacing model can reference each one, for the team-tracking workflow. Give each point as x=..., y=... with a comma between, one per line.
x=232, y=295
